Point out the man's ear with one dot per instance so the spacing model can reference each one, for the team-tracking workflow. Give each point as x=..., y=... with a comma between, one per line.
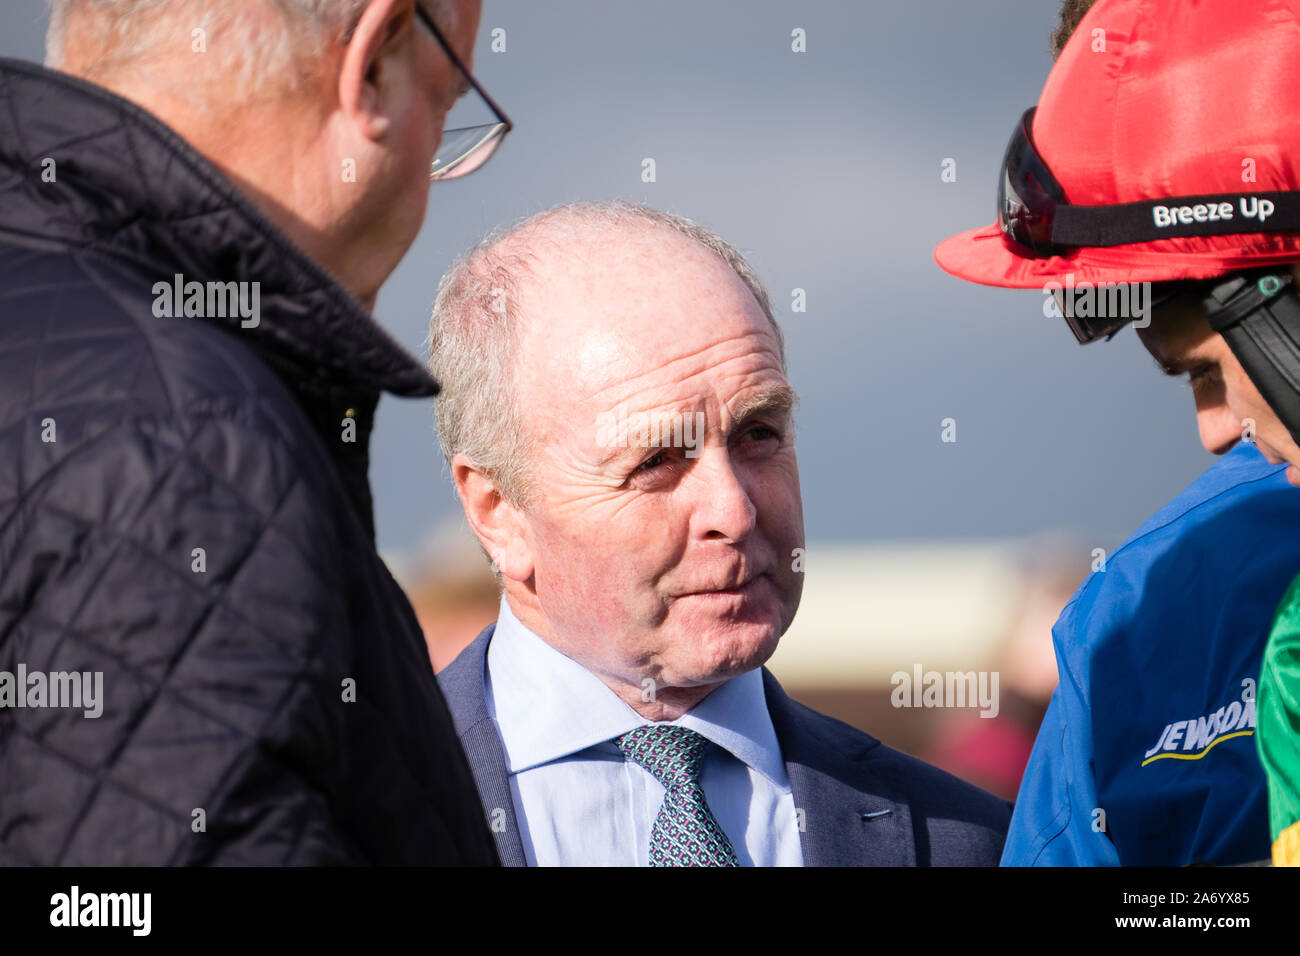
x=364, y=82
x=500, y=527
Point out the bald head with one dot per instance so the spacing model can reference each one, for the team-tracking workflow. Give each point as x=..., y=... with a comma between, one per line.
x=569, y=297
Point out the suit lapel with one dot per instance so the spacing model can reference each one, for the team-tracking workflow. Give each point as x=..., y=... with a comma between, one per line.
x=466, y=694
x=853, y=809
x=488, y=762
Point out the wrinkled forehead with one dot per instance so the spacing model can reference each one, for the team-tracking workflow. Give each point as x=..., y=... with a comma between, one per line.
x=612, y=315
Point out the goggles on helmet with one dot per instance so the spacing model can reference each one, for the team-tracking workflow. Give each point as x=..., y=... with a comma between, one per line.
x=1037, y=222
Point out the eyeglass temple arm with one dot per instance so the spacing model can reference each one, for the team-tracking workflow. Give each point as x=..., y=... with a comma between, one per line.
x=455, y=60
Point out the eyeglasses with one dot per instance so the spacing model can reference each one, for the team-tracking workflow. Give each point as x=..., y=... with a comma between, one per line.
x=465, y=149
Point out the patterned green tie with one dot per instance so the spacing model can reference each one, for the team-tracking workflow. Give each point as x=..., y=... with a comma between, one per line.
x=685, y=832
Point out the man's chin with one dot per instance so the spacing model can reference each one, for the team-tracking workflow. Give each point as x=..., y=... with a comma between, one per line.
x=720, y=635
x=728, y=651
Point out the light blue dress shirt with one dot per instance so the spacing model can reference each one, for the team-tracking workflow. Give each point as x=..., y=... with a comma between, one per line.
x=580, y=802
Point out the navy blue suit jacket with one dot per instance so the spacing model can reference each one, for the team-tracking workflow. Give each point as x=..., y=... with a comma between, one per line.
x=864, y=804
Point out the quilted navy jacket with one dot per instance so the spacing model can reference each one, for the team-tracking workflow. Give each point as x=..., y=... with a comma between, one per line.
x=184, y=509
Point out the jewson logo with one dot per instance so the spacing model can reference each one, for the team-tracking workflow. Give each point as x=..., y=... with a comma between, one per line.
x=618, y=429
x=1098, y=300
x=76, y=689
x=946, y=689
x=75, y=908
x=209, y=300
x=1192, y=739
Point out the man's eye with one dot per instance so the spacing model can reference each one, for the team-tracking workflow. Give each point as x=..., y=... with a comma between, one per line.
x=757, y=434
x=650, y=464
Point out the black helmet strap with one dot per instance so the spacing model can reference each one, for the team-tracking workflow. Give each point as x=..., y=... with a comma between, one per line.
x=1175, y=217
x=1258, y=315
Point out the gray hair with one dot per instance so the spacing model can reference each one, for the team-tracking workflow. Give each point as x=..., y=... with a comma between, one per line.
x=247, y=54
x=472, y=338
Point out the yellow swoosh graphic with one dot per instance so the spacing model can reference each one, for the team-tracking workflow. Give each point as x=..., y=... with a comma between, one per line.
x=1217, y=740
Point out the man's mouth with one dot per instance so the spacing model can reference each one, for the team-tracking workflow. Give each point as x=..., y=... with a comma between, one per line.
x=744, y=588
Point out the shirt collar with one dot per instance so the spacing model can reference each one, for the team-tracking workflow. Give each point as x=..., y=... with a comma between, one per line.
x=548, y=706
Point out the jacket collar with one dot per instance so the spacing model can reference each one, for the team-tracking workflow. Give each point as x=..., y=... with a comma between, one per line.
x=854, y=807
x=856, y=811
x=126, y=186
x=464, y=688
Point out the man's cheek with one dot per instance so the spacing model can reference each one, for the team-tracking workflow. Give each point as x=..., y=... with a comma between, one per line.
x=782, y=512
x=596, y=561
x=780, y=505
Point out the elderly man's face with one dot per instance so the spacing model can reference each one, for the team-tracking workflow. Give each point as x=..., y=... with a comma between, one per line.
x=669, y=563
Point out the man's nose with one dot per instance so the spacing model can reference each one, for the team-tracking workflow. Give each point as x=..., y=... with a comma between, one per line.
x=724, y=510
x=1219, y=428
